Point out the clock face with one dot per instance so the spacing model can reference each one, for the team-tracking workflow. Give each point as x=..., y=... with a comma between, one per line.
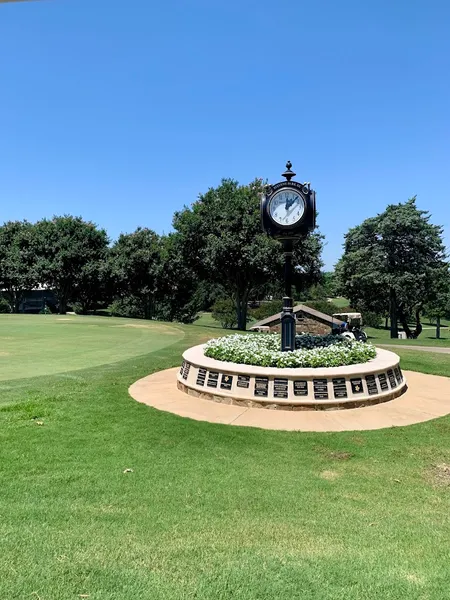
x=287, y=208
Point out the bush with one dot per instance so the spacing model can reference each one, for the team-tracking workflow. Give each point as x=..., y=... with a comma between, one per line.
x=324, y=306
x=224, y=311
x=45, y=311
x=127, y=307
x=267, y=309
x=308, y=341
x=5, y=306
x=263, y=350
x=371, y=319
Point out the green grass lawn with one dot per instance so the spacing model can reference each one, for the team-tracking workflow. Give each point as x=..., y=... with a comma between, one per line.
x=426, y=338
x=33, y=345
x=209, y=512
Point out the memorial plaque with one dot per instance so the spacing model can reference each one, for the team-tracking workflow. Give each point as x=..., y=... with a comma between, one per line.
x=340, y=388
x=226, y=382
x=187, y=367
x=371, y=385
x=243, y=381
x=357, y=386
x=261, y=386
x=398, y=375
x=280, y=388
x=392, y=380
x=213, y=379
x=320, y=389
x=383, y=382
x=300, y=387
x=182, y=367
x=201, y=377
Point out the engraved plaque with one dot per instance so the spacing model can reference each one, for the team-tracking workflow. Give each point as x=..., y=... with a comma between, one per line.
x=383, y=382
x=371, y=385
x=300, y=387
x=201, y=377
x=213, y=379
x=226, y=382
x=392, y=380
x=243, y=381
x=280, y=388
x=320, y=389
x=339, y=388
x=398, y=375
x=187, y=367
x=357, y=386
x=261, y=387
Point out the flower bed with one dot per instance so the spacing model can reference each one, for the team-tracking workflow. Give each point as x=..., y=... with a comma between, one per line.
x=263, y=350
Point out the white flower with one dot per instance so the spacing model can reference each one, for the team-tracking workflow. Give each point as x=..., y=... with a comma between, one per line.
x=262, y=349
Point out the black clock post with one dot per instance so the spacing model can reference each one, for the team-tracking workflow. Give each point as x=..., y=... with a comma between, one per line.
x=288, y=213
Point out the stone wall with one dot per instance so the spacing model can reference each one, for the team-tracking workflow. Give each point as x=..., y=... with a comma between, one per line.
x=306, y=325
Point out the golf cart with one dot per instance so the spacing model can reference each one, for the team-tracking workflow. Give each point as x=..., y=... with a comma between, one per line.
x=350, y=326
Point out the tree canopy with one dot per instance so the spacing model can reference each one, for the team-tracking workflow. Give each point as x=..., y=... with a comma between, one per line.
x=223, y=242
x=393, y=262
x=18, y=272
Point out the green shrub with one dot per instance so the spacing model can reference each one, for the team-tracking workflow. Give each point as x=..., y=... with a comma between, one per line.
x=45, y=311
x=371, y=319
x=308, y=341
x=224, y=311
x=127, y=307
x=267, y=309
x=5, y=306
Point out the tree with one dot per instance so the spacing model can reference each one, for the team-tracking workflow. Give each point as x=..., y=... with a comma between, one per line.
x=391, y=263
x=223, y=243
x=67, y=249
x=178, y=294
x=135, y=262
x=18, y=273
x=438, y=303
x=92, y=287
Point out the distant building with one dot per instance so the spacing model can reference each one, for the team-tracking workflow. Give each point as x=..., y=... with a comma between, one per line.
x=36, y=300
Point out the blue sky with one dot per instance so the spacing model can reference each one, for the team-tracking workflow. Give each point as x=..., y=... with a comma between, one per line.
x=122, y=112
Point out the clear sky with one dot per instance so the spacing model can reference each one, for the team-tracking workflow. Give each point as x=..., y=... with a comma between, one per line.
x=122, y=112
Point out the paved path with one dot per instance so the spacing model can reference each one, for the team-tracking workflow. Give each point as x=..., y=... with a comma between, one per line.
x=439, y=350
x=428, y=397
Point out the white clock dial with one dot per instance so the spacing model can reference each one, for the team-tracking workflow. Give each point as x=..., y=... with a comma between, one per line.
x=287, y=208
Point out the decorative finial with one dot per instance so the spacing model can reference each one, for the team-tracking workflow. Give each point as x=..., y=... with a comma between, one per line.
x=288, y=173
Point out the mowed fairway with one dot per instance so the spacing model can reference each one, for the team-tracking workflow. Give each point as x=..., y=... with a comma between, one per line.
x=33, y=345
x=103, y=498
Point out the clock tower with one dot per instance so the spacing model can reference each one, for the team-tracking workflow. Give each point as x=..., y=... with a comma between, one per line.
x=288, y=213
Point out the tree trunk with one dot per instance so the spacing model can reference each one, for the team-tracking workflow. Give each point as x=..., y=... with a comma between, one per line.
x=241, y=310
x=438, y=328
x=393, y=313
x=386, y=322
x=412, y=335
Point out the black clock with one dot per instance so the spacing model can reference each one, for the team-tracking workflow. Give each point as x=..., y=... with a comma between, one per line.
x=288, y=210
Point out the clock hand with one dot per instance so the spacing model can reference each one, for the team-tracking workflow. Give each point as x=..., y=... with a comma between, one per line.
x=290, y=212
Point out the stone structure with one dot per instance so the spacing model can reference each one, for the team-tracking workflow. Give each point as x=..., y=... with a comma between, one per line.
x=309, y=320
x=378, y=380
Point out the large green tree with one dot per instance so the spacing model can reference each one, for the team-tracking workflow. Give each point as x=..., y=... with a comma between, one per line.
x=18, y=272
x=178, y=294
x=135, y=263
x=68, y=249
x=224, y=244
x=393, y=263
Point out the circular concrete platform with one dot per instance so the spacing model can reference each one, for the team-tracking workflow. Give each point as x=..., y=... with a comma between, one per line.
x=320, y=388
x=428, y=397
